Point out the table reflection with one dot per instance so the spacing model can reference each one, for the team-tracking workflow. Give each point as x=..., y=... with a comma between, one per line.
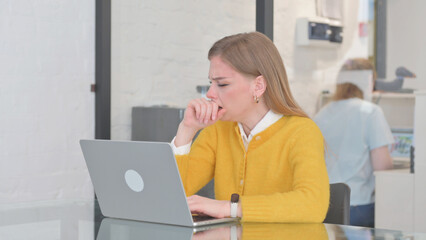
x=132, y=230
x=82, y=220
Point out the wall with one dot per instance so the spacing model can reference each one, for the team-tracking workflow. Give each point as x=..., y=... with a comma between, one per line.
x=159, y=51
x=405, y=40
x=46, y=68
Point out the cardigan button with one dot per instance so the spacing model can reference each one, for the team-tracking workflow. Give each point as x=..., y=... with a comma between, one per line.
x=258, y=138
x=241, y=182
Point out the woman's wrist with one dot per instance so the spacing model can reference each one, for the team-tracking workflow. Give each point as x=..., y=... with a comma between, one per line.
x=184, y=135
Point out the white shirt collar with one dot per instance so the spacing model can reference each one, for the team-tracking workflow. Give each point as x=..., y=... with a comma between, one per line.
x=269, y=119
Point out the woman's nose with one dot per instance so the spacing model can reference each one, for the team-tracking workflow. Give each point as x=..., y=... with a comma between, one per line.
x=211, y=93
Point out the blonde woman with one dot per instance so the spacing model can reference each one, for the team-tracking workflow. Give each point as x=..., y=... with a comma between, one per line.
x=256, y=142
x=357, y=137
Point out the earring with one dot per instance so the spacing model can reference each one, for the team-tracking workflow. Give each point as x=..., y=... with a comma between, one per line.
x=256, y=99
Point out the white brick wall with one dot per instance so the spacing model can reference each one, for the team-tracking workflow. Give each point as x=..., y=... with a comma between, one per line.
x=46, y=68
x=159, y=50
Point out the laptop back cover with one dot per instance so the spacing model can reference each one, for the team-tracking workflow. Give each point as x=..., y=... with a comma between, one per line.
x=118, y=167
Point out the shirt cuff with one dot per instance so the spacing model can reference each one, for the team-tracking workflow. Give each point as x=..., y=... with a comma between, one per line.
x=182, y=150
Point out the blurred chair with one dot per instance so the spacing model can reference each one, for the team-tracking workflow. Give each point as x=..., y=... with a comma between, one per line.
x=339, y=209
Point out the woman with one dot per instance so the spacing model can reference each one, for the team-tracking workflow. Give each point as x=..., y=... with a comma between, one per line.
x=357, y=137
x=256, y=141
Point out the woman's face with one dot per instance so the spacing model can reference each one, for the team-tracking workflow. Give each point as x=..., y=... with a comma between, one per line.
x=230, y=90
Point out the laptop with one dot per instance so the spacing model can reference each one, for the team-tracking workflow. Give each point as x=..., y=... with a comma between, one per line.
x=139, y=181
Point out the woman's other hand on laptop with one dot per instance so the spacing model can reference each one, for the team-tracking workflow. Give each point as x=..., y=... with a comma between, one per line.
x=210, y=207
x=206, y=206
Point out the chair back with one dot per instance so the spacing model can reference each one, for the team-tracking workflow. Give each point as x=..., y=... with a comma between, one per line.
x=339, y=208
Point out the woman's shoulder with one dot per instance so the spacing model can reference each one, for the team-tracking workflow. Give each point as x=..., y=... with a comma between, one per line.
x=298, y=120
x=297, y=124
x=370, y=108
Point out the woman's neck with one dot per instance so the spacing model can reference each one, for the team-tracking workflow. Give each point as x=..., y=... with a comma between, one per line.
x=251, y=121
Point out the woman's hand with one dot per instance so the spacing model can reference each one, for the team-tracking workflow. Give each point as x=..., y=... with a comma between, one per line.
x=206, y=206
x=199, y=114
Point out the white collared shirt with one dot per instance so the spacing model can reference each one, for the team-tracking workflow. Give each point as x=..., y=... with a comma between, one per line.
x=269, y=119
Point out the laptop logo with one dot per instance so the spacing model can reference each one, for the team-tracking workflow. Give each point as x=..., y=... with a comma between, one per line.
x=134, y=180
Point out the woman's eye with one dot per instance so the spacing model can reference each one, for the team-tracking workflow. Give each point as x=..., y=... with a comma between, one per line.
x=222, y=85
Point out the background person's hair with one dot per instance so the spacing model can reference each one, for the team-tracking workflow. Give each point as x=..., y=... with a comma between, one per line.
x=349, y=90
x=254, y=54
x=346, y=91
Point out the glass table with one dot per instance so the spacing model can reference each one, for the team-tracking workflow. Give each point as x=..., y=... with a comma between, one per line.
x=82, y=220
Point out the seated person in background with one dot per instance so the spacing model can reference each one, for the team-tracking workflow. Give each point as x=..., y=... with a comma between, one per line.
x=357, y=138
x=256, y=141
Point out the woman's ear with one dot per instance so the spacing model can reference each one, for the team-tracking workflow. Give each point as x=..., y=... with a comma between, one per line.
x=259, y=85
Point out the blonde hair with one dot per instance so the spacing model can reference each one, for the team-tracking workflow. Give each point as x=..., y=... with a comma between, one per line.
x=254, y=54
x=349, y=90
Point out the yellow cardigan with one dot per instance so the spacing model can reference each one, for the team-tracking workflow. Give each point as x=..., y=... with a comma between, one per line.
x=281, y=177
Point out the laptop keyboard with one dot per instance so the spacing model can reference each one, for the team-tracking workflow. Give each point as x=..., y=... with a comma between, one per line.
x=198, y=218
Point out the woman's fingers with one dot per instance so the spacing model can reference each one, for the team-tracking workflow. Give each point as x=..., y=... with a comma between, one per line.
x=197, y=108
x=209, y=108
x=209, y=113
x=207, y=206
x=195, y=204
x=201, y=113
x=205, y=110
x=215, y=108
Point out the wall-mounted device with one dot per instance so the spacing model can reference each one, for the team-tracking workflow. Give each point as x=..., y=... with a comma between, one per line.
x=318, y=32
